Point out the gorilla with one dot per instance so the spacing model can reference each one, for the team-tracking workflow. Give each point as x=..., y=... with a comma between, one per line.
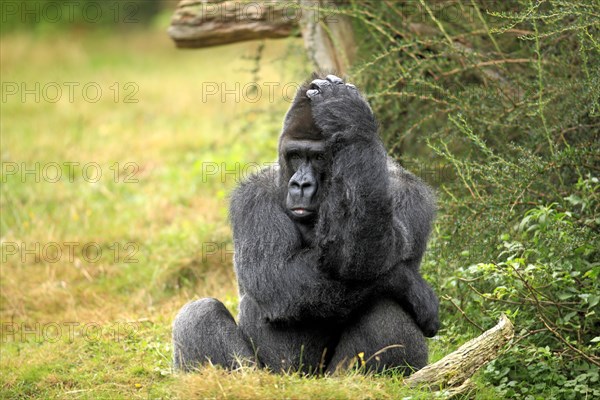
x=327, y=250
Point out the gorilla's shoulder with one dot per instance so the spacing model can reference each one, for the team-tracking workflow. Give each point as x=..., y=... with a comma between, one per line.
x=264, y=181
x=256, y=210
x=256, y=189
x=405, y=186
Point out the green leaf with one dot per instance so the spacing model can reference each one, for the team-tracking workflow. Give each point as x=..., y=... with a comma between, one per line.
x=593, y=299
x=564, y=295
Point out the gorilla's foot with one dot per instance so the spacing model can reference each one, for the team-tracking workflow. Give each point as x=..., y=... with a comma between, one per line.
x=383, y=338
x=204, y=331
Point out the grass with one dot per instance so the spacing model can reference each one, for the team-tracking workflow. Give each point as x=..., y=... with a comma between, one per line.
x=78, y=327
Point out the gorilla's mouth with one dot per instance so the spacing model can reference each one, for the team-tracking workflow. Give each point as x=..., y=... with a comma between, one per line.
x=301, y=212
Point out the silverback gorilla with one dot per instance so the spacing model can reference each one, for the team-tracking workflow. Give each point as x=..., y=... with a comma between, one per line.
x=327, y=252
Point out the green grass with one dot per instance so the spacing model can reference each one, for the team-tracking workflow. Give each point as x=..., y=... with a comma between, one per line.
x=80, y=329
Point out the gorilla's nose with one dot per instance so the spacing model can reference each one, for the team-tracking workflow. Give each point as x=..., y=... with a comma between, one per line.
x=302, y=186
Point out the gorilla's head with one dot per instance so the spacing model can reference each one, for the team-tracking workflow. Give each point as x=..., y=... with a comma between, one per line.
x=304, y=161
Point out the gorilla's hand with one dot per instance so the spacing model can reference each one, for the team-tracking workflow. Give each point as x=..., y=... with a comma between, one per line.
x=339, y=109
x=416, y=296
x=426, y=310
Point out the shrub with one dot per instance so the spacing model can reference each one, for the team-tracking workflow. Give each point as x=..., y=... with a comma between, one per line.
x=506, y=95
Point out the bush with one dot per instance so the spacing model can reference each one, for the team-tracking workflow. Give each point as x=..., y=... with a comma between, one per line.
x=506, y=96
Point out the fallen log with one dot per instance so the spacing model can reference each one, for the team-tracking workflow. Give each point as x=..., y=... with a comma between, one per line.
x=204, y=23
x=452, y=373
x=328, y=35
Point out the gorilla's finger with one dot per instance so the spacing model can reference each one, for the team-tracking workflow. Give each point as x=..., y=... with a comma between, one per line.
x=319, y=84
x=310, y=93
x=325, y=88
x=334, y=79
x=351, y=86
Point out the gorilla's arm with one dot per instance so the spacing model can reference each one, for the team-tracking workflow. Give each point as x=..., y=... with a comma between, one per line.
x=376, y=218
x=414, y=210
x=354, y=230
x=271, y=265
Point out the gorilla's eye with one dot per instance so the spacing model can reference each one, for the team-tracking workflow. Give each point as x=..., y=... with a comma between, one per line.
x=294, y=160
x=319, y=157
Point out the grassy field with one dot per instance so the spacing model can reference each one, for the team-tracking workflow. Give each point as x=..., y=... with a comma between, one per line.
x=95, y=266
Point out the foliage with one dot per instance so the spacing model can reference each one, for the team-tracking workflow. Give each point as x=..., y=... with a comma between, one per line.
x=506, y=96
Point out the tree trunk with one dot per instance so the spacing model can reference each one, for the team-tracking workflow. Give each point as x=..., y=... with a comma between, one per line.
x=328, y=36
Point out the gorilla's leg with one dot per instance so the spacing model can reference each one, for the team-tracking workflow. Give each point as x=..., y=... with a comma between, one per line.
x=281, y=349
x=287, y=348
x=388, y=337
x=205, y=331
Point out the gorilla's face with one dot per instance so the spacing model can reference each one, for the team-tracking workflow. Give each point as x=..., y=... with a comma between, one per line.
x=306, y=162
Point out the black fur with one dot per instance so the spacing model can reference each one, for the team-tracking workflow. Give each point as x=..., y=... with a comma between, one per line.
x=315, y=292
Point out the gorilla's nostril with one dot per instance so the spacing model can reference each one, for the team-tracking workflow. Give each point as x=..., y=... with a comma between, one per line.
x=302, y=187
